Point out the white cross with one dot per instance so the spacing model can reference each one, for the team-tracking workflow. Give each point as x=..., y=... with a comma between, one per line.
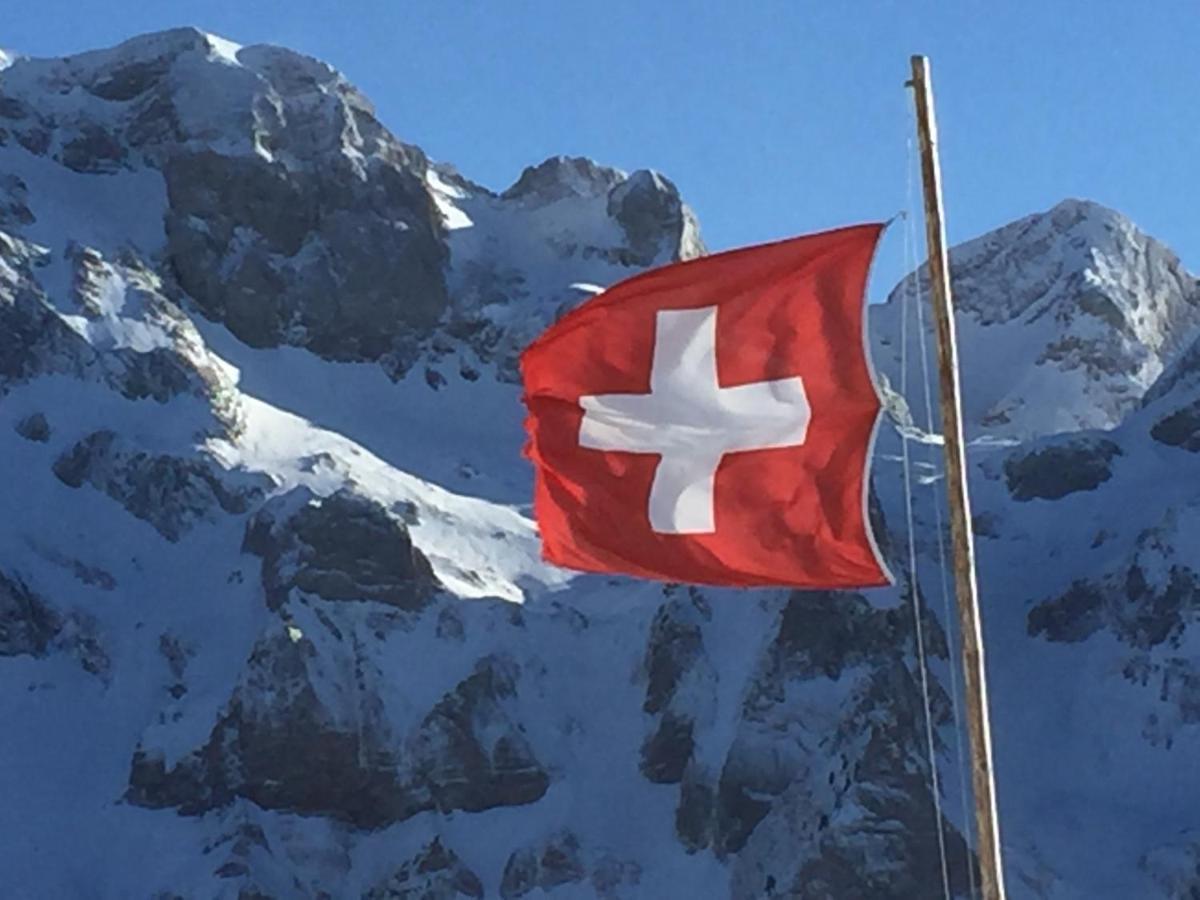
x=691, y=422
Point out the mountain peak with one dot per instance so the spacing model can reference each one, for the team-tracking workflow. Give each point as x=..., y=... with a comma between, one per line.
x=182, y=86
x=1074, y=313
x=1047, y=256
x=166, y=45
x=560, y=177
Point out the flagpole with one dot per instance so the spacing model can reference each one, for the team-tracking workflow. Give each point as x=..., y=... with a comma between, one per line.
x=966, y=588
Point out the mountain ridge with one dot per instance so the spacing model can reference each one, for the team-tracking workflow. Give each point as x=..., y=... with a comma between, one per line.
x=231, y=682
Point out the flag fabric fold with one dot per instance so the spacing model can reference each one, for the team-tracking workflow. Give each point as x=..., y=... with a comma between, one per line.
x=712, y=421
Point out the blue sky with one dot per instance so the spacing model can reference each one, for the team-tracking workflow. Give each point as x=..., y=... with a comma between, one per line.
x=774, y=118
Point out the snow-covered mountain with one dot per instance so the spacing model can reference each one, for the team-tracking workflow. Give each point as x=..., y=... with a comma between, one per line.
x=1067, y=318
x=273, y=621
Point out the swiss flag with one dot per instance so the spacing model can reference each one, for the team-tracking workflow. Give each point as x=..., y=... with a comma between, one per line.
x=712, y=421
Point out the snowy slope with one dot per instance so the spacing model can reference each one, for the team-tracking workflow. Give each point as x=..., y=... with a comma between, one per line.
x=1066, y=319
x=273, y=620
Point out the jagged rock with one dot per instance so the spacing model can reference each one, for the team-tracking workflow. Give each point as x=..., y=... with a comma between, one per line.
x=1056, y=470
x=34, y=427
x=559, y=865
x=666, y=753
x=342, y=261
x=676, y=643
x=554, y=863
x=169, y=492
x=1148, y=601
x=307, y=223
x=866, y=767
x=92, y=149
x=561, y=177
x=37, y=339
x=81, y=637
x=435, y=873
x=14, y=194
x=30, y=626
x=252, y=860
x=678, y=674
x=1180, y=429
x=584, y=225
x=612, y=876
x=281, y=746
x=1144, y=602
x=695, y=813
x=659, y=226
x=1091, y=311
x=1175, y=397
x=27, y=624
x=470, y=753
x=150, y=348
x=34, y=340
x=342, y=547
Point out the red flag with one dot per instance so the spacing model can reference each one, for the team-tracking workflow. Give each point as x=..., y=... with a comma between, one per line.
x=712, y=421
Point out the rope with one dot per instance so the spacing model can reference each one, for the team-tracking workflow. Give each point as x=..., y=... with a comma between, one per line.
x=913, y=589
x=942, y=567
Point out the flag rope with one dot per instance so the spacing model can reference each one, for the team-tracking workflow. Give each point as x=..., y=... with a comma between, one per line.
x=913, y=587
x=939, y=522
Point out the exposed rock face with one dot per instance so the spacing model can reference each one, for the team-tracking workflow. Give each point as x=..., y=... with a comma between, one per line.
x=27, y=624
x=169, y=492
x=13, y=194
x=114, y=325
x=287, y=255
x=1175, y=400
x=342, y=547
x=1180, y=428
x=556, y=863
x=346, y=774
x=1061, y=468
x=294, y=216
x=1084, y=243
x=831, y=807
x=1091, y=313
x=658, y=226
x=252, y=860
x=1149, y=602
x=468, y=751
x=562, y=178
x=561, y=866
x=465, y=754
x=33, y=339
x=677, y=675
x=436, y=873
x=580, y=226
x=30, y=626
x=34, y=427
x=656, y=222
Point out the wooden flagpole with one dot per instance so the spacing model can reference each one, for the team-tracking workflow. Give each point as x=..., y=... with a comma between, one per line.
x=975, y=682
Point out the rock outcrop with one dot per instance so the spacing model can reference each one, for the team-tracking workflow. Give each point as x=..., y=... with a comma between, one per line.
x=27, y=623
x=342, y=547
x=170, y=492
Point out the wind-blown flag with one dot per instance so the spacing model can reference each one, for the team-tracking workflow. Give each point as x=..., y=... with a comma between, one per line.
x=712, y=421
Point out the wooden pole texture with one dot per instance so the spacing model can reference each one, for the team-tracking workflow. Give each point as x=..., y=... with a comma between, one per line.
x=975, y=682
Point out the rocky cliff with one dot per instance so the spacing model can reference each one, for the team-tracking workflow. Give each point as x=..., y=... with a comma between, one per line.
x=273, y=621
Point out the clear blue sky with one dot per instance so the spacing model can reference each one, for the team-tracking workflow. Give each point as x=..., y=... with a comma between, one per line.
x=774, y=118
